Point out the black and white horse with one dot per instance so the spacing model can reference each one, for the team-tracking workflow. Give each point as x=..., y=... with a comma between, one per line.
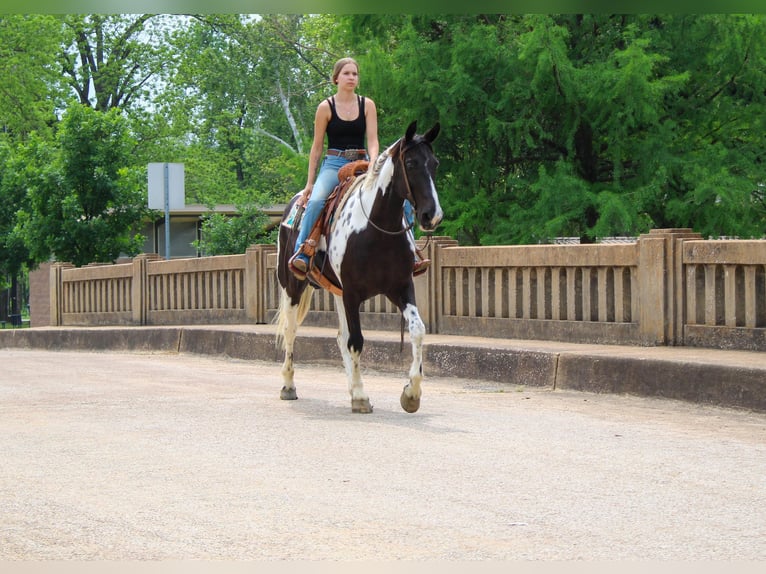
x=370, y=251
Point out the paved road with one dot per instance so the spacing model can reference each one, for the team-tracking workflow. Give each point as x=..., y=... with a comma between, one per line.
x=138, y=456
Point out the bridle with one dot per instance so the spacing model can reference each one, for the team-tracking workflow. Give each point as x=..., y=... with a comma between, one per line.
x=408, y=197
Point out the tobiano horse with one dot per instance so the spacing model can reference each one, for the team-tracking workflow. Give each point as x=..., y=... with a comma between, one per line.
x=368, y=251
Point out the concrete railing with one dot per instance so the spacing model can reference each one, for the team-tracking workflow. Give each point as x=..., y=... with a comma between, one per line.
x=152, y=291
x=725, y=287
x=667, y=288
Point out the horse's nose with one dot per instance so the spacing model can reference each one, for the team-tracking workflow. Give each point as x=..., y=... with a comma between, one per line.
x=429, y=221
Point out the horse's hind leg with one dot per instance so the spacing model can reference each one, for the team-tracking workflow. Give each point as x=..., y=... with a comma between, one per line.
x=288, y=328
x=350, y=343
x=410, y=399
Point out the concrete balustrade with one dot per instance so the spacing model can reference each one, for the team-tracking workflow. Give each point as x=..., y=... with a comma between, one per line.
x=669, y=287
x=725, y=286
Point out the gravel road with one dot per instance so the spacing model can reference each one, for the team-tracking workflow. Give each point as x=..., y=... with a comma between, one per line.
x=140, y=456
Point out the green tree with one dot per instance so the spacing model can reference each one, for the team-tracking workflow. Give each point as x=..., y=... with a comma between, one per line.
x=585, y=125
x=85, y=193
x=111, y=60
x=713, y=172
x=14, y=256
x=225, y=235
x=30, y=91
x=242, y=97
x=30, y=86
x=242, y=94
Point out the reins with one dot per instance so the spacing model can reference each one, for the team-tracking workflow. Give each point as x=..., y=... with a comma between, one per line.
x=386, y=231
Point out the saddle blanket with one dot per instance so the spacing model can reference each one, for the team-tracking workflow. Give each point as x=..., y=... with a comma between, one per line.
x=294, y=218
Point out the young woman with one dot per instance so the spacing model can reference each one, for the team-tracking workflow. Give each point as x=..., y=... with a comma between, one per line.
x=346, y=119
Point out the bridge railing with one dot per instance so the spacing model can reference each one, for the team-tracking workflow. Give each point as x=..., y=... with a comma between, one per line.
x=668, y=287
x=725, y=287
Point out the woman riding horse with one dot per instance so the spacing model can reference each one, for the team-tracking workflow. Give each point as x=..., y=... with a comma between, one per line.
x=368, y=251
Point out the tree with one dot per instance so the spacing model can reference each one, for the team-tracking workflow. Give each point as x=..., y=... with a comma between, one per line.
x=13, y=253
x=242, y=92
x=242, y=97
x=225, y=235
x=85, y=193
x=30, y=91
x=586, y=125
x=714, y=170
x=111, y=60
x=30, y=87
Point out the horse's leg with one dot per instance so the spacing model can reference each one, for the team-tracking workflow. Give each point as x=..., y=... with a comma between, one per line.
x=288, y=324
x=410, y=399
x=350, y=343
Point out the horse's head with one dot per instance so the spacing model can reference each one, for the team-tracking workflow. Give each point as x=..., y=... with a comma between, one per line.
x=417, y=163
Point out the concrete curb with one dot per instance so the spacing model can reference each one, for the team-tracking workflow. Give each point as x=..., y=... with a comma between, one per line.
x=704, y=376
x=728, y=385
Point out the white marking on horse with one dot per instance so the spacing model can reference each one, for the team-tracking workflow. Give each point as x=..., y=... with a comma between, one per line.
x=438, y=213
x=413, y=390
x=357, y=207
x=350, y=358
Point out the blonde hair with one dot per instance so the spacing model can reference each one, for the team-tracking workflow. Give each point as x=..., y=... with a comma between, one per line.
x=339, y=66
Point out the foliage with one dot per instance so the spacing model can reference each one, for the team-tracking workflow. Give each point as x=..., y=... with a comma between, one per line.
x=225, y=235
x=13, y=252
x=30, y=87
x=84, y=193
x=238, y=97
x=111, y=60
x=586, y=125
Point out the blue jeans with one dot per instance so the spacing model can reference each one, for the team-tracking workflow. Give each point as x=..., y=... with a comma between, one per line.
x=409, y=214
x=326, y=181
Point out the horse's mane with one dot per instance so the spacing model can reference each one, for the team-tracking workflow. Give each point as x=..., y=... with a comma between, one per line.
x=374, y=171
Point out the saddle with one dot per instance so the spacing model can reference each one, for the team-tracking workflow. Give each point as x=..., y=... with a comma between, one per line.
x=317, y=273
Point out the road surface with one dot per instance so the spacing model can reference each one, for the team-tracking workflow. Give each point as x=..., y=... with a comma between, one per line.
x=146, y=456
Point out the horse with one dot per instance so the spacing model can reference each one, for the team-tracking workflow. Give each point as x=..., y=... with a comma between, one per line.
x=369, y=251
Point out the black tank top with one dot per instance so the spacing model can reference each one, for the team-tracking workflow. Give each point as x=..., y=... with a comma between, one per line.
x=342, y=134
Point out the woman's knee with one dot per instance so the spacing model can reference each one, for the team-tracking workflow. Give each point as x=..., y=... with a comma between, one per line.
x=316, y=201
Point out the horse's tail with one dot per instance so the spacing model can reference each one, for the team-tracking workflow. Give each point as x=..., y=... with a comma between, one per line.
x=299, y=312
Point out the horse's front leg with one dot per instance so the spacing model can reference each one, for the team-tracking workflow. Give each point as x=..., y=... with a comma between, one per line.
x=410, y=399
x=350, y=343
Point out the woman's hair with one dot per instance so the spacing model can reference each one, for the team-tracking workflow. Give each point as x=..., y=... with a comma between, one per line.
x=339, y=66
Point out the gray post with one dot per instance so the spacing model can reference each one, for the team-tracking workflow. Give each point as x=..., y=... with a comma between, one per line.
x=167, y=212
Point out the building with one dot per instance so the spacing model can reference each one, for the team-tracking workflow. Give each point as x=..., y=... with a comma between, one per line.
x=186, y=227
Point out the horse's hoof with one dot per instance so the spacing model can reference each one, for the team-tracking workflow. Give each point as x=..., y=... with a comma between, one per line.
x=361, y=406
x=409, y=404
x=288, y=394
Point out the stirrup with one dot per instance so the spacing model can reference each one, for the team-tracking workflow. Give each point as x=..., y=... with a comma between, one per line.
x=298, y=266
x=420, y=267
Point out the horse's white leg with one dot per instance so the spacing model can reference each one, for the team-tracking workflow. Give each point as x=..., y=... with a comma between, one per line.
x=289, y=329
x=410, y=399
x=360, y=402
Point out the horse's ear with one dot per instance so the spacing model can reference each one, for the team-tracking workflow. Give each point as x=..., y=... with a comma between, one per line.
x=411, y=131
x=431, y=134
